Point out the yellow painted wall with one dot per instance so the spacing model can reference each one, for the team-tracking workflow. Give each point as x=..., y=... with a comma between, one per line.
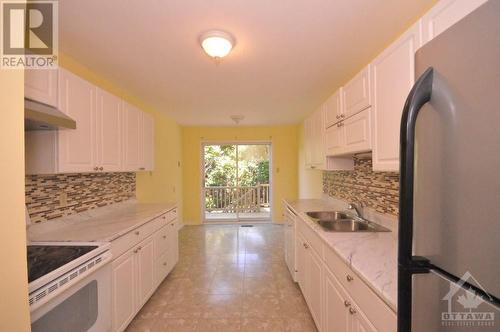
x=14, y=312
x=310, y=180
x=164, y=184
x=284, y=162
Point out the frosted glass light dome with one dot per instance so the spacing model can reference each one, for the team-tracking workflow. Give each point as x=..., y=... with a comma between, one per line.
x=216, y=43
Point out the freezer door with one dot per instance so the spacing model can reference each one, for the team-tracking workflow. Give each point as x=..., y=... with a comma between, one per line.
x=439, y=306
x=457, y=153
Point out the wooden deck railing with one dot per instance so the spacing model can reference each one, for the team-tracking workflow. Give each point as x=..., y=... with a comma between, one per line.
x=237, y=199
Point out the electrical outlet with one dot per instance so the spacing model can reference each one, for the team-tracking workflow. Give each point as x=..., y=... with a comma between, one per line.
x=63, y=199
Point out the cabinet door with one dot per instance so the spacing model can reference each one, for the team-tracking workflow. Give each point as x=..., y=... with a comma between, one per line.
x=147, y=142
x=336, y=302
x=132, y=140
x=357, y=132
x=123, y=290
x=108, y=132
x=334, y=140
x=77, y=99
x=359, y=322
x=145, y=271
x=334, y=111
x=313, y=276
x=393, y=77
x=41, y=85
x=318, y=129
x=356, y=93
x=300, y=252
x=444, y=14
x=173, y=252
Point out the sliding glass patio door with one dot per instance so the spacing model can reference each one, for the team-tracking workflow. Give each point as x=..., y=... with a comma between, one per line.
x=236, y=182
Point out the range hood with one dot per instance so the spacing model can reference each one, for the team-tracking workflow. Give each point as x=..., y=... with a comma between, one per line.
x=38, y=116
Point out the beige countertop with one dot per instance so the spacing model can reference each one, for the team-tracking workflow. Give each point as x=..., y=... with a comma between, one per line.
x=103, y=224
x=372, y=256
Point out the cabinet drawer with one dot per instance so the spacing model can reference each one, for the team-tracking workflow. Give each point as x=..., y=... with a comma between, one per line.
x=312, y=238
x=161, y=241
x=376, y=310
x=127, y=241
x=172, y=215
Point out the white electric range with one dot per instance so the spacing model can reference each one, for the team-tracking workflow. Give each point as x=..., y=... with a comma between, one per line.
x=69, y=286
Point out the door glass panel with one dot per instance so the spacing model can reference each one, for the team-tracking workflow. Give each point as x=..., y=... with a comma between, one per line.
x=236, y=182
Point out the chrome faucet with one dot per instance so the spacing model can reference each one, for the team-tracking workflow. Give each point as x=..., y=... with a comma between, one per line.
x=352, y=206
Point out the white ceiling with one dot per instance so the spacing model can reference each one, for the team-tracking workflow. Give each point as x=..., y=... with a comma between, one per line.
x=289, y=57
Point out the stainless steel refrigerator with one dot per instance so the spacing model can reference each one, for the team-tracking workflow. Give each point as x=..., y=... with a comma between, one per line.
x=449, y=224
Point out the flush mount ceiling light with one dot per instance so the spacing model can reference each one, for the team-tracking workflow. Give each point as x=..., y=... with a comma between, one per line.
x=217, y=43
x=237, y=118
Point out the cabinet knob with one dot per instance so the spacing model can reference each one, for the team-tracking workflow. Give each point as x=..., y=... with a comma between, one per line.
x=164, y=263
x=349, y=278
x=352, y=311
x=141, y=168
x=96, y=168
x=347, y=303
x=137, y=250
x=340, y=124
x=342, y=116
x=306, y=245
x=137, y=232
x=101, y=168
x=337, y=116
x=164, y=236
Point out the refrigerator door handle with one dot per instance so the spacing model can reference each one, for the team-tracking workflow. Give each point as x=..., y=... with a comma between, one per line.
x=408, y=265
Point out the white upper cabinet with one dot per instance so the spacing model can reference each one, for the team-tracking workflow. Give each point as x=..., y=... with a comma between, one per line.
x=76, y=147
x=110, y=135
x=41, y=85
x=108, y=132
x=148, y=142
x=392, y=79
x=357, y=131
x=334, y=110
x=356, y=93
x=314, y=139
x=132, y=137
x=444, y=14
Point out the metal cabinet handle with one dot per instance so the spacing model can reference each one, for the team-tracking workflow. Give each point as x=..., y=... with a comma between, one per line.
x=164, y=263
x=347, y=303
x=352, y=311
x=164, y=236
x=141, y=168
x=163, y=217
x=342, y=116
x=96, y=168
x=306, y=246
x=137, y=233
x=337, y=116
x=341, y=124
x=349, y=278
x=101, y=168
x=137, y=250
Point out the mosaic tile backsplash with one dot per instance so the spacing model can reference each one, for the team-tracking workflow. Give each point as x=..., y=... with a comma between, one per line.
x=378, y=190
x=83, y=191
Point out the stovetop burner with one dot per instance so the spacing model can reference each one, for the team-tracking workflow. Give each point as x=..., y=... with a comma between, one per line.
x=43, y=259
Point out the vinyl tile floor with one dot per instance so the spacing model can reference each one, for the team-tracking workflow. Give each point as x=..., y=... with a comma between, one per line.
x=228, y=278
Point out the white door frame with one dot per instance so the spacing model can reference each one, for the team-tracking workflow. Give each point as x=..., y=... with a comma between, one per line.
x=202, y=184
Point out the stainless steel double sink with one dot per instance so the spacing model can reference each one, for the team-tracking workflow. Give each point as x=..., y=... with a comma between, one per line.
x=337, y=221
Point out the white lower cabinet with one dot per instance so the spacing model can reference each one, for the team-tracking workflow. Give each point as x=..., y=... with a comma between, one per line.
x=338, y=300
x=144, y=257
x=340, y=311
x=124, y=279
x=313, y=277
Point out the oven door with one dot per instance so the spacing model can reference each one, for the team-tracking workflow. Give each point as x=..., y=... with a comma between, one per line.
x=84, y=307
